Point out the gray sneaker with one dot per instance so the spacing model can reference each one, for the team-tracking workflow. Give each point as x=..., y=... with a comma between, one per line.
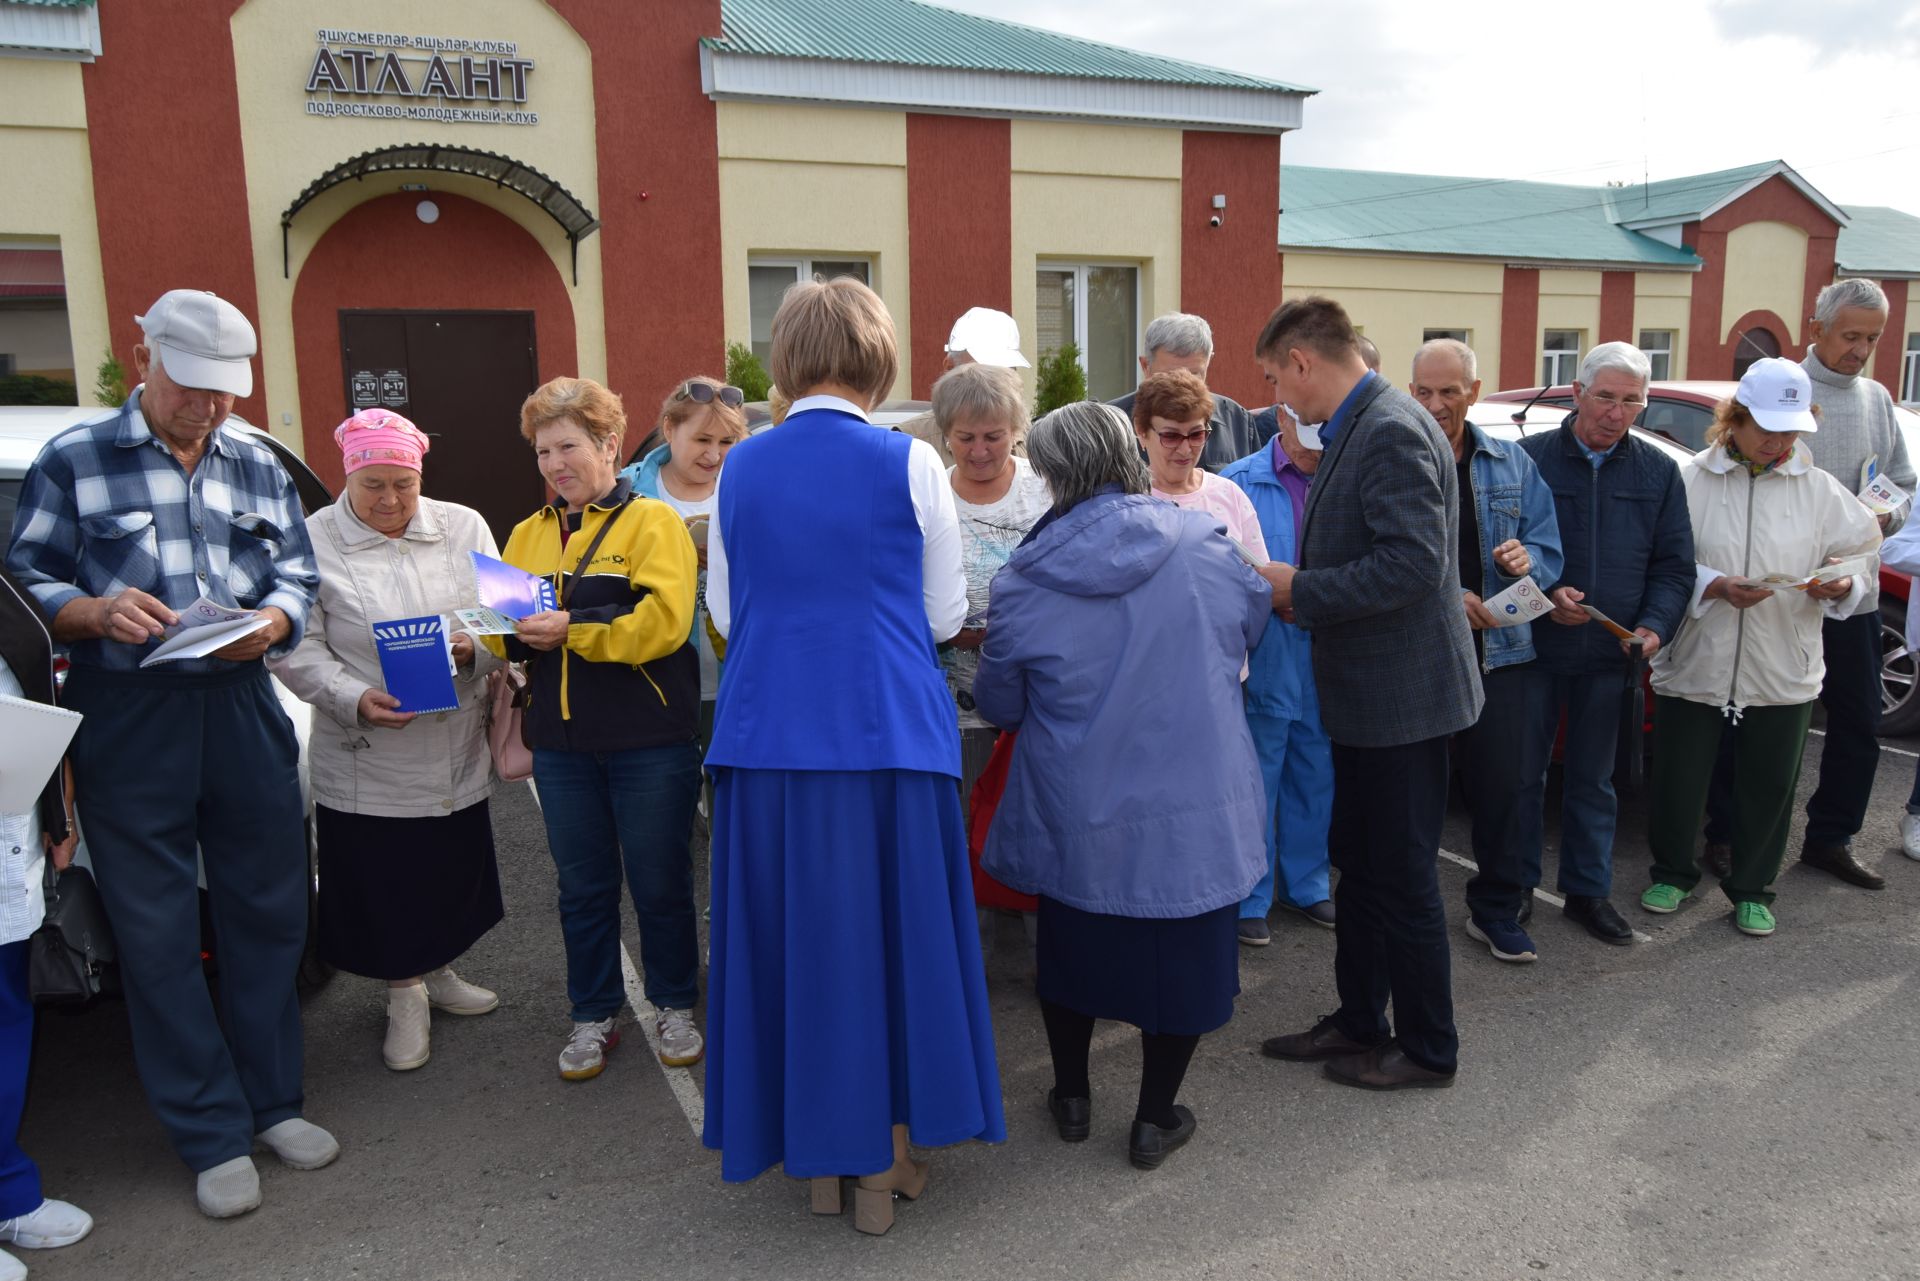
x=681, y=1044
x=586, y=1052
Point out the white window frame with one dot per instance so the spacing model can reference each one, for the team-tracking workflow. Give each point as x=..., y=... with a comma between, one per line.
x=1080, y=296
x=803, y=266
x=1458, y=335
x=1554, y=359
x=1910, y=369
x=1654, y=355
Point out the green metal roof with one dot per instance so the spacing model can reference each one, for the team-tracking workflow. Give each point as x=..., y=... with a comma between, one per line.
x=1357, y=209
x=910, y=33
x=1879, y=239
x=1682, y=199
x=59, y=4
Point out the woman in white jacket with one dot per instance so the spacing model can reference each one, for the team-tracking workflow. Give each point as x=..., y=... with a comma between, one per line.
x=408, y=880
x=1749, y=660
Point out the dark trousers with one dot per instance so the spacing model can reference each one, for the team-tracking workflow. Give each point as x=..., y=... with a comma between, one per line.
x=1589, y=809
x=19, y=1177
x=1767, y=747
x=1391, y=937
x=165, y=761
x=1504, y=760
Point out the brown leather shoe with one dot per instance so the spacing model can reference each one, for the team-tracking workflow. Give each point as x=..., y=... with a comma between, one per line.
x=1839, y=860
x=1324, y=1040
x=1385, y=1068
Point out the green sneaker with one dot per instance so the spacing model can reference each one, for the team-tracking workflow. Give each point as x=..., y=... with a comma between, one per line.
x=1662, y=898
x=1753, y=918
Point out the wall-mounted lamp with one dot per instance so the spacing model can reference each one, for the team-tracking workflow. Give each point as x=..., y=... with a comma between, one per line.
x=1219, y=211
x=427, y=211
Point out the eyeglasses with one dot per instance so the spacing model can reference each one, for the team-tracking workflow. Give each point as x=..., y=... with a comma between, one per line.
x=1175, y=439
x=705, y=394
x=1608, y=401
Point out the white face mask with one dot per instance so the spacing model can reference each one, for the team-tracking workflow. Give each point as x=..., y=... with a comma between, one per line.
x=1309, y=436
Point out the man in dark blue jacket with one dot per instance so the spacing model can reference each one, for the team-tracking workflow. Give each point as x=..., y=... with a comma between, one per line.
x=1629, y=553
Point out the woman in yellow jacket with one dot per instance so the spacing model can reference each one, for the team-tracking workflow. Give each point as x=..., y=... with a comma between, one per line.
x=613, y=720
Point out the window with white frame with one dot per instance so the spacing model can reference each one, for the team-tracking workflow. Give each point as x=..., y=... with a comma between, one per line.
x=1910, y=372
x=1559, y=356
x=768, y=280
x=1458, y=335
x=1658, y=346
x=1095, y=306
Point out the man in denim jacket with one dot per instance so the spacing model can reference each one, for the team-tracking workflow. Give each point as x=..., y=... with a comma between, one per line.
x=1508, y=532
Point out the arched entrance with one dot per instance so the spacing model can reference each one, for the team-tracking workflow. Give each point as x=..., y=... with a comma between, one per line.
x=1754, y=344
x=450, y=315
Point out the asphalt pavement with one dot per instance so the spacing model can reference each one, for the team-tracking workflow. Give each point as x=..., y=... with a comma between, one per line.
x=1700, y=1104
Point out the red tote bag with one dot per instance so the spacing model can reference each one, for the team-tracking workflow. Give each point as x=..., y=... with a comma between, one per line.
x=987, y=790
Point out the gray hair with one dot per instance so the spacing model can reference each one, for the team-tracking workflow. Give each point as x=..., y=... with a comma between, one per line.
x=1851, y=292
x=1179, y=334
x=979, y=393
x=1469, y=365
x=1078, y=448
x=1621, y=357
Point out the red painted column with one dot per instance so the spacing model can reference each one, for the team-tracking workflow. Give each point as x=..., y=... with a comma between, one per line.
x=1230, y=274
x=659, y=159
x=1821, y=259
x=1616, y=306
x=1888, y=357
x=1520, y=327
x=959, y=230
x=1707, y=355
x=169, y=182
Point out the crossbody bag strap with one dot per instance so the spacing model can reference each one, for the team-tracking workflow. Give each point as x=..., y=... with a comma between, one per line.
x=586, y=557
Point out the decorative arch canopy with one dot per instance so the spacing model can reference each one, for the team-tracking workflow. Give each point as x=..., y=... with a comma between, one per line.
x=575, y=219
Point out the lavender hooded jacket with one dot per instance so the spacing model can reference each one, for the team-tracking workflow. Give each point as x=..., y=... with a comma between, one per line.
x=1118, y=634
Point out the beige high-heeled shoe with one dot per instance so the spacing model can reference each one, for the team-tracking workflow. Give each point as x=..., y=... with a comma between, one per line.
x=874, y=1194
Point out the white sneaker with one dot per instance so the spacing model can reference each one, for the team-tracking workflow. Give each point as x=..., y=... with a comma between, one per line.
x=586, y=1052
x=409, y=1028
x=300, y=1145
x=1910, y=835
x=228, y=1189
x=680, y=1042
x=11, y=1269
x=54, y=1224
x=448, y=991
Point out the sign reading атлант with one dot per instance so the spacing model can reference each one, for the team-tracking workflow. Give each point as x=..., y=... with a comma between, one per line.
x=395, y=77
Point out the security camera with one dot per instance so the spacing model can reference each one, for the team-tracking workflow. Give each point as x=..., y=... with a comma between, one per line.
x=1214, y=221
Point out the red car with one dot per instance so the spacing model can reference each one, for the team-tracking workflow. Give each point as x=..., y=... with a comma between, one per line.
x=1682, y=412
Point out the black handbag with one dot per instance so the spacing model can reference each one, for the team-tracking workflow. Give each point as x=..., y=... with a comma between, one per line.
x=73, y=945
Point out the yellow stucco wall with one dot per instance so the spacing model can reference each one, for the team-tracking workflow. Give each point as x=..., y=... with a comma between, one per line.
x=1570, y=300
x=819, y=182
x=46, y=197
x=1766, y=270
x=1086, y=193
x=285, y=149
x=1395, y=299
x=1664, y=300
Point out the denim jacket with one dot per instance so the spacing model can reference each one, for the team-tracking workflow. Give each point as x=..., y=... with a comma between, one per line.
x=1280, y=668
x=1511, y=501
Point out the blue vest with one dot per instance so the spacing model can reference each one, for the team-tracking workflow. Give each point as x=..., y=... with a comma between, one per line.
x=830, y=661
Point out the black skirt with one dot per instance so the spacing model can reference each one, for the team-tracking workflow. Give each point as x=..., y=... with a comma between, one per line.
x=400, y=897
x=1167, y=976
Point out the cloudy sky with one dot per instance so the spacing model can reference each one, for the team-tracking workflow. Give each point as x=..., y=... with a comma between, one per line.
x=1578, y=93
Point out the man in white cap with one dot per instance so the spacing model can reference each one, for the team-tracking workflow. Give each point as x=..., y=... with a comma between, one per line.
x=124, y=524
x=982, y=336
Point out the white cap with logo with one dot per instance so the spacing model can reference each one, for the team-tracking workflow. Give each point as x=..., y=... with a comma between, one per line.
x=990, y=337
x=201, y=340
x=1779, y=395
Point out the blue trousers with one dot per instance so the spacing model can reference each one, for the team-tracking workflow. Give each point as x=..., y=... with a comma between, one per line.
x=165, y=761
x=1588, y=806
x=1503, y=760
x=19, y=1176
x=612, y=811
x=1296, y=764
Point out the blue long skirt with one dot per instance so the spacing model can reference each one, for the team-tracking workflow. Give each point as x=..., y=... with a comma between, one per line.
x=845, y=993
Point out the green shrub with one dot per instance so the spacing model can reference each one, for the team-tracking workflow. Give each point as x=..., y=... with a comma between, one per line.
x=32, y=389
x=1058, y=380
x=110, y=382
x=745, y=371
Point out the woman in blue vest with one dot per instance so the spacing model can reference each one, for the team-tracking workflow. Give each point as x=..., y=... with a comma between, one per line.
x=846, y=1005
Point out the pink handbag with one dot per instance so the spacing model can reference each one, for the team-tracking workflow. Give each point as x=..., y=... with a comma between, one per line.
x=506, y=711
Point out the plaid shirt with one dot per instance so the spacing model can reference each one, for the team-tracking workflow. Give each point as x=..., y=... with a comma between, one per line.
x=105, y=507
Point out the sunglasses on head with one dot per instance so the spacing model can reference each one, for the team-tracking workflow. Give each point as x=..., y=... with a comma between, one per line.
x=705, y=393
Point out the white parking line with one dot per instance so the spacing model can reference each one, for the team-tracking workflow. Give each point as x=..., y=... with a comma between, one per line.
x=686, y=1092
x=1540, y=894
x=1897, y=751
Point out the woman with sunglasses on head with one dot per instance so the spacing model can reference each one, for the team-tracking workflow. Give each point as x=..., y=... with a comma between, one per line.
x=1171, y=416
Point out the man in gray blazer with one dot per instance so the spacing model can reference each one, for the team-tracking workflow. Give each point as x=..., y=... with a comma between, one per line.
x=1378, y=587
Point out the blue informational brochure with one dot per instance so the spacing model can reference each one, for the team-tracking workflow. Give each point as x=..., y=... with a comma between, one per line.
x=416, y=659
x=511, y=590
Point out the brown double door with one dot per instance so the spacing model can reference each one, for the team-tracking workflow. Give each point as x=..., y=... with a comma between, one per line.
x=460, y=376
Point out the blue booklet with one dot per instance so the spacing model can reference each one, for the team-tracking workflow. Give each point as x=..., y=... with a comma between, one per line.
x=510, y=590
x=416, y=659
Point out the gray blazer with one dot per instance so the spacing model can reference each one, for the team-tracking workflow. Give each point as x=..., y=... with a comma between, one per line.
x=1379, y=580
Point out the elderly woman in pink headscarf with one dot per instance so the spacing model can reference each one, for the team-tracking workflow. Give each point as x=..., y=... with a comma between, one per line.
x=408, y=880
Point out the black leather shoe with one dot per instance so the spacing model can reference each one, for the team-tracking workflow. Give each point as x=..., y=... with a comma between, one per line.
x=1525, y=913
x=1600, y=918
x=1717, y=858
x=1324, y=1040
x=1385, y=1068
x=1149, y=1144
x=1072, y=1117
x=1839, y=860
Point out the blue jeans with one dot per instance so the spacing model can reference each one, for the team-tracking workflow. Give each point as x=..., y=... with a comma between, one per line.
x=1588, y=806
x=1503, y=760
x=1296, y=764
x=606, y=810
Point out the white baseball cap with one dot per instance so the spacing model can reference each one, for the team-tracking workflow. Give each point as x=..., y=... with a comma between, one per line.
x=201, y=341
x=990, y=337
x=1779, y=395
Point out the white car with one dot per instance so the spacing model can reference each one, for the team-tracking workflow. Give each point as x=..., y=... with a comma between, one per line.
x=24, y=430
